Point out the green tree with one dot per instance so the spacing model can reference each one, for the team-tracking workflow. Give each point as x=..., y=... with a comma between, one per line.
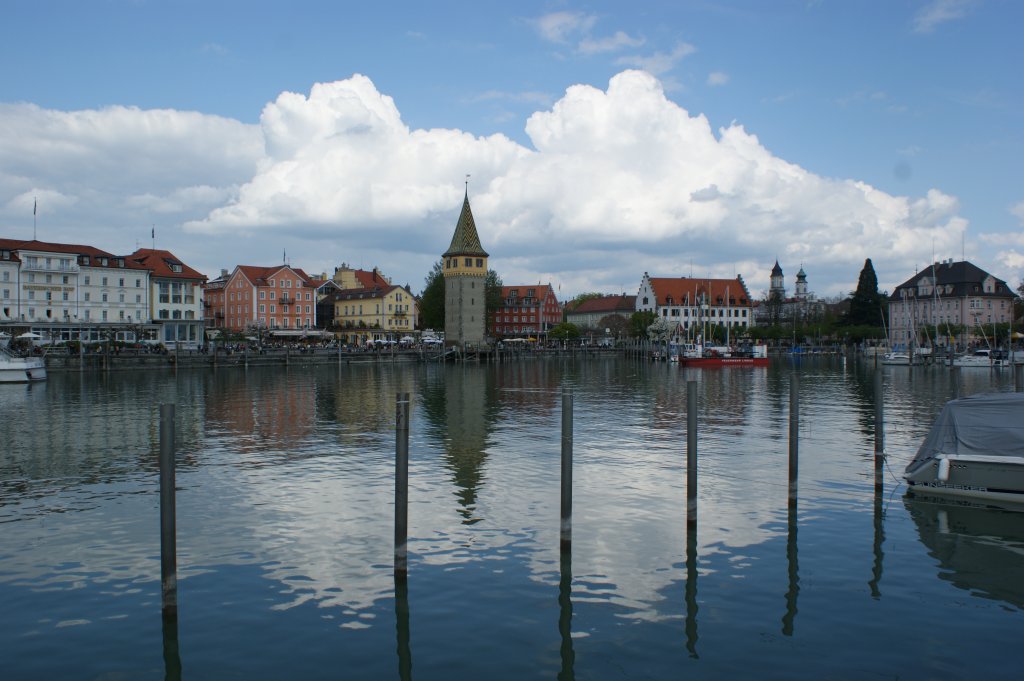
x=492, y=296
x=638, y=323
x=432, y=299
x=564, y=331
x=866, y=303
x=617, y=325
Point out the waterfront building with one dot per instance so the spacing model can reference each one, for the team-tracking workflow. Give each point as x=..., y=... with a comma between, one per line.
x=278, y=300
x=465, y=277
x=175, y=297
x=589, y=313
x=370, y=314
x=72, y=292
x=214, y=301
x=526, y=311
x=350, y=278
x=948, y=299
x=697, y=305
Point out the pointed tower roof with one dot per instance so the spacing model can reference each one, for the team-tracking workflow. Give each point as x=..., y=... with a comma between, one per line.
x=776, y=271
x=801, y=275
x=466, y=241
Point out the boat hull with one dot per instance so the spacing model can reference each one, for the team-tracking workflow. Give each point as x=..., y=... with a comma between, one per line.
x=713, y=362
x=984, y=478
x=19, y=370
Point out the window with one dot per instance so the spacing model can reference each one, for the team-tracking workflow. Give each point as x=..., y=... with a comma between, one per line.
x=272, y=294
x=138, y=297
x=86, y=294
x=273, y=309
x=104, y=297
x=263, y=295
x=85, y=280
x=120, y=298
x=120, y=282
x=138, y=283
x=104, y=280
x=468, y=262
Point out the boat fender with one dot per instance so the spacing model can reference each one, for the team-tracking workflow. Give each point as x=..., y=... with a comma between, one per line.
x=943, y=473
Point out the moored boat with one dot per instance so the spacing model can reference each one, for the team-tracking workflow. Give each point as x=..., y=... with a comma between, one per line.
x=695, y=355
x=16, y=369
x=975, y=449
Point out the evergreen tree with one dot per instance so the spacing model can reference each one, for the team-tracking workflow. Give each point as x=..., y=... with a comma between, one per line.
x=866, y=304
x=492, y=297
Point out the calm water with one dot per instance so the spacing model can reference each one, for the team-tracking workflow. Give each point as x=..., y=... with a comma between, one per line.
x=285, y=509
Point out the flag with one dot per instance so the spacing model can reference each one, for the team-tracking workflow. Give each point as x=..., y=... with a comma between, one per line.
x=35, y=205
x=152, y=232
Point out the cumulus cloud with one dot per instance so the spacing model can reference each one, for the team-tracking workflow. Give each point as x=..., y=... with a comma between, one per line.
x=616, y=181
x=939, y=12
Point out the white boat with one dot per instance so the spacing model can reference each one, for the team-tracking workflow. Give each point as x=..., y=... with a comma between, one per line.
x=15, y=369
x=981, y=358
x=975, y=449
x=896, y=359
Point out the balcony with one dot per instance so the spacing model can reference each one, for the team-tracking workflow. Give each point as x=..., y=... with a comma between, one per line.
x=41, y=266
x=286, y=300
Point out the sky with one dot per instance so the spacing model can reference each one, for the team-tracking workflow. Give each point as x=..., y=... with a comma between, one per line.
x=597, y=140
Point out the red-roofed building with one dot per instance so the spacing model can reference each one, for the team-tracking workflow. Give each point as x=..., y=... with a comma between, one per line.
x=589, y=313
x=175, y=297
x=695, y=304
x=526, y=311
x=78, y=292
x=279, y=299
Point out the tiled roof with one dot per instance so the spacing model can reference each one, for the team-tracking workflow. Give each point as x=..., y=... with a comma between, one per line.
x=776, y=271
x=160, y=263
x=362, y=293
x=687, y=291
x=606, y=304
x=260, y=275
x=75, y=249
x=369, y=279
x=466, y=241
x=540, y=290
x=961, y=278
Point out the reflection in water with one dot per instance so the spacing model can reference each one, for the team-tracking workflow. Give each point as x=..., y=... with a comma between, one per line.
x=879, y=539
x=172, y=658
x=793, y=569
x=568, y=655
x=980, y=550
x=402, y=627
x=691, y=589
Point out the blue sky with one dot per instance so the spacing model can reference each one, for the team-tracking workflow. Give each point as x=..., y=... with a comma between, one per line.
x=834, y=131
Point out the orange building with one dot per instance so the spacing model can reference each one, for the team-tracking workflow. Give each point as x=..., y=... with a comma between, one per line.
x=279, y=298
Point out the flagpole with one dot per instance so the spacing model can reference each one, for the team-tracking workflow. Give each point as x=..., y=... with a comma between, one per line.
x=35, y=206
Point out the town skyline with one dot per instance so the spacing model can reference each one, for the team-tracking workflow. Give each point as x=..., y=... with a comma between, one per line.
x=600, y=142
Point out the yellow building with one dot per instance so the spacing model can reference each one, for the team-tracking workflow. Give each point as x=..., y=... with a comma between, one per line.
x=379, y=313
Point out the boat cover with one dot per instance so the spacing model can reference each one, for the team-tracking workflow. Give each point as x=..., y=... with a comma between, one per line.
x=989, y=424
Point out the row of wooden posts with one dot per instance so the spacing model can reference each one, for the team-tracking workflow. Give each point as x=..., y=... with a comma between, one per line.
x=168, y=540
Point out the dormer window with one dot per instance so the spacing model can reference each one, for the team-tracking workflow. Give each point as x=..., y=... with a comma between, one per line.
x=176, y=268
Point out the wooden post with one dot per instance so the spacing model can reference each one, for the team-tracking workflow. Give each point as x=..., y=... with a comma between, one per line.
x=1018, y=377
x=566, y=516
x=401, y=484
x=879, y=429
x=691, y=452
x=168, y=539
x=794, y=435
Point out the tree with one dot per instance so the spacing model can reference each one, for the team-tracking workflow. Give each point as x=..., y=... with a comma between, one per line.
x=639, y=321
x=616, y=324
x=492, y=296
x=661, y=329
x=866, y=302
x=432, y=299
x=564, y=331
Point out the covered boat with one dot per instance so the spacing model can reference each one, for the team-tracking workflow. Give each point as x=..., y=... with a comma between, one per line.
x=17, y=369
x=975, y=449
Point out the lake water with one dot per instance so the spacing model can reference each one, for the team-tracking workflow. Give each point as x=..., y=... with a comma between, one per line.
x=285, y=528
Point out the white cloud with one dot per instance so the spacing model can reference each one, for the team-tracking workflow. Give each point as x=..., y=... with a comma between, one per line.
x=939, y=12
x=659, y=62
x=718, y=78
x=1018, y=210
x=611, y=43
x=558, y=27
x=617, y=181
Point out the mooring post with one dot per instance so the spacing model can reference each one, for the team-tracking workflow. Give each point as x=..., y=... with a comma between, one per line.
x=1018, y=377
x=168, y=541
x=566, y=526
x=879, y=429
x=794, y=434
x=401, y=483
x=691, y=452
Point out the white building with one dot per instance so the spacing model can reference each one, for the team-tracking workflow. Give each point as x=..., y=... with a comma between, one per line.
x=697, y=305
x=76, y=292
